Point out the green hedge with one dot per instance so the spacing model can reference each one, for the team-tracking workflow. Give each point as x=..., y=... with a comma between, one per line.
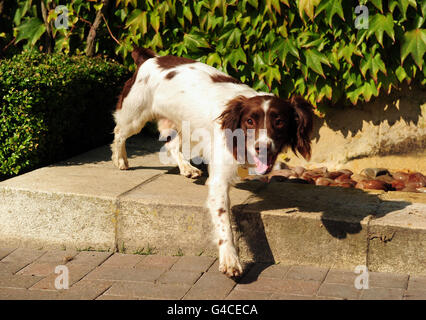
x=53, y=107
x=307, y=47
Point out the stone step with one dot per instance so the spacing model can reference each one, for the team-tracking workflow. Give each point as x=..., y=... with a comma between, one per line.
x=85, y=202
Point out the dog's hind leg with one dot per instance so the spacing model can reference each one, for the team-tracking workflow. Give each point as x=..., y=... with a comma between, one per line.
x=173, y=143
x=127, y=125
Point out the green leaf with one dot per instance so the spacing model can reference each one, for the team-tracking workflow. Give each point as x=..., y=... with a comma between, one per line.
x=331, y=8
x=272, y=73
x=284, y=47
x=347, y=51
x=254, y=3
x=137, y=21
x=372, y=64
x=307, y=6
x=31, y=30
x=354, y=95
x=414, y=44
x=369, y=89
x=194, y=41
x=273, y=3
x=187, y=13
x=401, y=74
x=402, y=5
x=378, y=4
x=314, y=60
x=234, y=38
x=236, y=56
x=155, y=21
x=379, y=24
x=326, y=91
x=213, y=59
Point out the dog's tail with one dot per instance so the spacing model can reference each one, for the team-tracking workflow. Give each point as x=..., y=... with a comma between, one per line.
x=140, y=55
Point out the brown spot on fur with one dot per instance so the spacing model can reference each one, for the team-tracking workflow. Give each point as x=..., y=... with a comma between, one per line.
x=221, y=211
x=169, y=62
x=170, y=75
x=126, y=89
x=221, y=242
x=139, y=55
x=224, y=78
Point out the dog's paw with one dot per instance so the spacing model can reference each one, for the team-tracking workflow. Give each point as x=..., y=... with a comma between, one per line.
x=123, y=164
x=190, y=172
x=230, y=265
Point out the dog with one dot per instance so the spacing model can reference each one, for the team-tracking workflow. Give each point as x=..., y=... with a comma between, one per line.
x=173, y=90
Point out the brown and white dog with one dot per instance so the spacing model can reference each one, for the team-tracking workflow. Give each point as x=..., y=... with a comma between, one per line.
x=178, y=90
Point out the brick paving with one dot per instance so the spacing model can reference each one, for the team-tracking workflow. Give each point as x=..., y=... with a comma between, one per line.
x=30, y=274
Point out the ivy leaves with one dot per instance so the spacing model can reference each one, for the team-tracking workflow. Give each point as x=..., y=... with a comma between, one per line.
x=32, y=29
x=415, y=45
x=308, y=47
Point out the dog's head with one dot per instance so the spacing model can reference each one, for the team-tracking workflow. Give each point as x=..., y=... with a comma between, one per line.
x=269, y=125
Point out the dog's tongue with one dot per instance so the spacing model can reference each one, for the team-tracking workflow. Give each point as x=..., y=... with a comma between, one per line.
x=261, y=167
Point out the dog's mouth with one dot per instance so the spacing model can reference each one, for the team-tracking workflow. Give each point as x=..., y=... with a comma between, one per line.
x=263, y=165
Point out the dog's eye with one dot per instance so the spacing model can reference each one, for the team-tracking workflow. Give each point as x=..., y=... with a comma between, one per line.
x=250, y=121
x=279, y=122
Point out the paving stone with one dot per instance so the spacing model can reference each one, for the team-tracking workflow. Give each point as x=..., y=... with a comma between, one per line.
x=123, y=260
x=248, y=295
x=387, y=280
x=287, y=296
x=5, y=251
x=382, y=294
x=24, y=294
x=193, y=263
x=342, y=291
x=90, y=258
x=417, y=283
x=268, y=271
x=415, y=295
x=210, y=286
x=165, y=262
x=327, y=298
x=148, y=290
x=58, y=257
x=84, y=290
x=75, y=272
x=88, y=290
x=109, y=297
x=19, y=259
x=300, y=287
x=341, y=277
x=307, y=273
x=17, y=281
x=274, y=285
x=125, y=274
x=38, y=269
x=260, y=284
x=180, y=277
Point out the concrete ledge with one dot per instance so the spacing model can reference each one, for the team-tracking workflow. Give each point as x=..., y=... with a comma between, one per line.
x=85, y=202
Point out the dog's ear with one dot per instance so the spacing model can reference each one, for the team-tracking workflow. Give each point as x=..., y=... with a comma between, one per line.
x=231, y=117
x=303, y=117
x=140, y=55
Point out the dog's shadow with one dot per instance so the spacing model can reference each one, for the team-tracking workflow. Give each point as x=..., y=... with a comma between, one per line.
x=343, y=212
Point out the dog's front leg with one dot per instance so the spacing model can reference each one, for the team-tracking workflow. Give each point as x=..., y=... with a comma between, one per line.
x=219, y=206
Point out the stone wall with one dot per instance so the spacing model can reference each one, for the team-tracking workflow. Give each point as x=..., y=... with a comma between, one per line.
x=387, y=132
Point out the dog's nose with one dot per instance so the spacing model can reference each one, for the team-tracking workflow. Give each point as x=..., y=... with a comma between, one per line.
x=258, y=145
